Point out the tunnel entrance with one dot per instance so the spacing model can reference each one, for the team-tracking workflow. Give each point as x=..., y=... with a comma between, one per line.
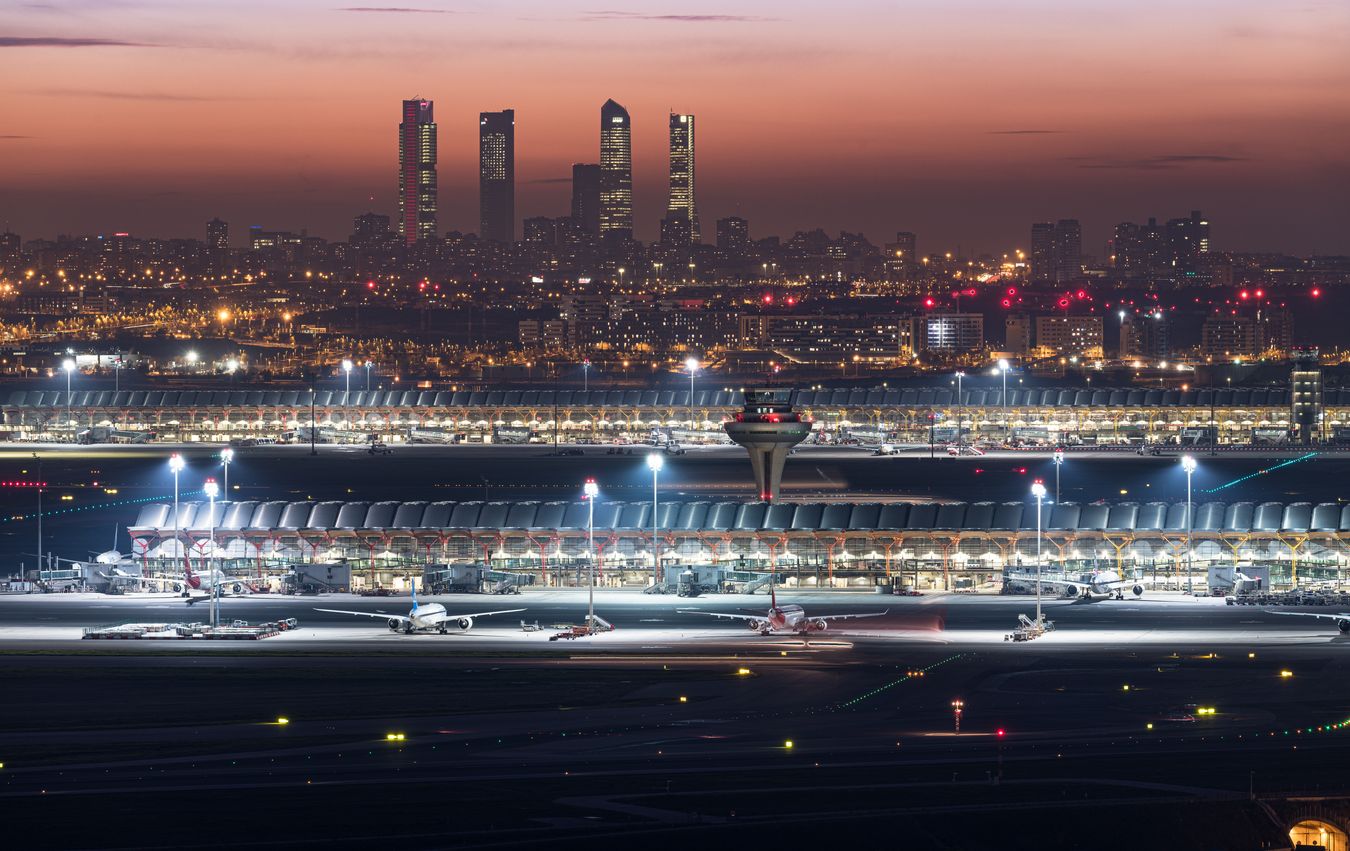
x=1315, y=833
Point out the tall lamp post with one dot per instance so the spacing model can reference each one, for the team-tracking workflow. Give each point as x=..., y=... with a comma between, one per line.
x=654, y=463
x=1038, y=491
x=586, y=375
x=347, y=372
x=960, y=408
x=68, y=365
x=1188, y=464
x=226, y=458
x=591, y=490
x=212, y=490
x=1059, y=462
x=1002, y=369
x=368, y=366
x=691, y=364
x=176, y=464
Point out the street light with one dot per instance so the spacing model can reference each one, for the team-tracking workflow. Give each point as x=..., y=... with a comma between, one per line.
x=960, y=408
x=586, y=375
x=368, y=366
x=1003, y=399
x=212, y=490
x=1038, y=491
x=655, y=463
x=691, y=364
x=591, y=490
x=347, y=372
x=1188, y=464
x=226, y=458
x=1059, y=462
x=176, y=464
x=69, y=366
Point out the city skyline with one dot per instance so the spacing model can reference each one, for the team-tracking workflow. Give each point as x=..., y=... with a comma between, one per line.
x=944, y=138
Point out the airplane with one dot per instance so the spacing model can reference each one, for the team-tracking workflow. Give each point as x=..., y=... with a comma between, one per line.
x=1342, y=619
x=419, y=617
x=786, y=618
x=1101, y=584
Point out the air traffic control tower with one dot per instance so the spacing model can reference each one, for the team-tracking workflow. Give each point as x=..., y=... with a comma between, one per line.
x=768, y=427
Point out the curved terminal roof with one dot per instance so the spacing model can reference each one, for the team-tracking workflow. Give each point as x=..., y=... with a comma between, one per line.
x=749, y=517
x=1059, y=397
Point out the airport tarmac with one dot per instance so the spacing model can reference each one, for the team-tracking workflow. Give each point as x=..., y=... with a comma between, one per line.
x=645, y=622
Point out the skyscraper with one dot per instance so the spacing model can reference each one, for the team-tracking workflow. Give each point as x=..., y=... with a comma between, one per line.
x=1043, y=251
x=217, y=234
x=497, y=175
x=417, y=172
x=1068, y=250
x=616, y=172
x=586, y=196
x=682, y=204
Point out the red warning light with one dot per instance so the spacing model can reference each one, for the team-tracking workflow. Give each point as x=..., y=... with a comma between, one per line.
x=1064, y=302
x=791, y=300
x=1012, y=290
x=1001, y=732
x=1244, y=295
x=1007, y=302
x=928, y=302
x=970, y=291
x=1316, y=293
x=768, y=298
x=1082, y=294
x=1260, y=293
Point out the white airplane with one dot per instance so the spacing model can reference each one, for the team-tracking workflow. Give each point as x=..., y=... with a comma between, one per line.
x=430, y=616
x=1342, y=619
x=1101, y=584
x=787, y=618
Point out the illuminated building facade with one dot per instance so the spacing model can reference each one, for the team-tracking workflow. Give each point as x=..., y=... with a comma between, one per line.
x=682, y=205
x=417, y=172
x=497, y=176
x=616, y=172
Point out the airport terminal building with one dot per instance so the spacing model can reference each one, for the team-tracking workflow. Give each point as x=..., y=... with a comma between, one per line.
x=814, y=544
x=1086, y=415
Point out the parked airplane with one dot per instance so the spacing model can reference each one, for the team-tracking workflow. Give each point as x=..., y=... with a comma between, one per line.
x=1102, y=584
x=786, y=618
x=1342, y=619
x=430, y=616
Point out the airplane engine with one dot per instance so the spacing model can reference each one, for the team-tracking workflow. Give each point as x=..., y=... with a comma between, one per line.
x=755, y=626
x=1138, y=590
x=1071, y=591
x=395, y=626
x=1343, y=625
x=237, y=588
x=820, y=626
x=465, y=624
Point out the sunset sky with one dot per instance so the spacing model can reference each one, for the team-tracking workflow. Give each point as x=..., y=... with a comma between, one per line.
x=961, y=120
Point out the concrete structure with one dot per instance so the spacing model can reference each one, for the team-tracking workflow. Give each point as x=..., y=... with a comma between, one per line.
x=768, y=427
x=934, y=546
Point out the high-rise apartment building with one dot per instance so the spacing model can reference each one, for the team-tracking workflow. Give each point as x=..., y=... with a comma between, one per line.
x=682, y=203
x=1056, y=250
x=733, y=235
x=217, y=234
x=1187, y=239
x=616, y=172
x=417, y=172
x=901, y=256
x=586, y=196
x=1043, y=251
x=497, y=176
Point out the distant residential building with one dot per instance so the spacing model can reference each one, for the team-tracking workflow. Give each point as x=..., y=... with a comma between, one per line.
x=218, y=234
x=1227, y=337
x=417, y=172
x=544, y=333
x=733, y=235
x=1056, y=250
x=1018, y=333
x=616, y=172
x=1187, y=240
x=829, y=338
x=949, y=333
x=901, y=256
x=586, y=196
x=541, y=230
x=1043, y=251
x=497, y=176
x=1069, y=336
x=370, y=227
x=682, y=203
x=1146, y=335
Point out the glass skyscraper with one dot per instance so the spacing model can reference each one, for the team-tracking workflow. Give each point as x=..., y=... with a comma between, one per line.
x=417, y=172
x=682, y=204
x=497, y=175
x=616, y=172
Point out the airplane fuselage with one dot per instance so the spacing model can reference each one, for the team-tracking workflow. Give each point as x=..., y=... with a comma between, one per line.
x=788, y=618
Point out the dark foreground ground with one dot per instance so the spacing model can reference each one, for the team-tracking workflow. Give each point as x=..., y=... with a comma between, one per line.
x=130, y=747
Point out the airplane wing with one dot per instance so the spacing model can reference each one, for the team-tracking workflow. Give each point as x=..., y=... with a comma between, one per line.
x=401, y=618
x=751, y=618
x=451, y=617
x=1339, y=616
x=845, y=617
